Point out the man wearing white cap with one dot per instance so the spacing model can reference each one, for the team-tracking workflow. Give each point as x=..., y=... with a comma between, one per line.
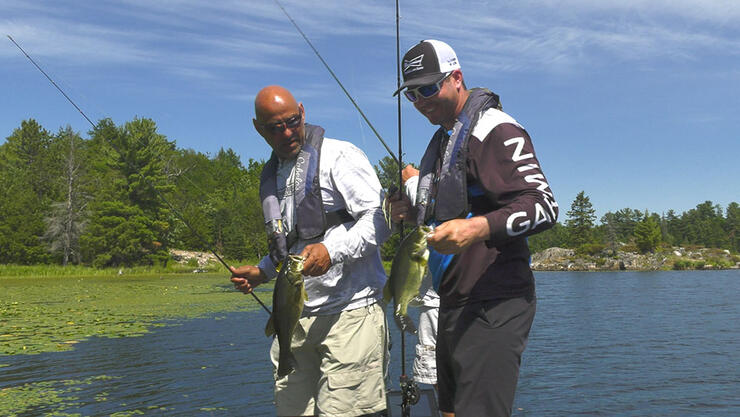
x=481, y=185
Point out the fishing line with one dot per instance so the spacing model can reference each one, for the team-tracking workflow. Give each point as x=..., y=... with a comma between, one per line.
x=159, y=194
x=390, y=152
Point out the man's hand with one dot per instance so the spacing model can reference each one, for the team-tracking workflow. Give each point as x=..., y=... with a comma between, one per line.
x=399, y=207
x=453, y=236
x=408, y=172
x=246, y=278
x=316, y=259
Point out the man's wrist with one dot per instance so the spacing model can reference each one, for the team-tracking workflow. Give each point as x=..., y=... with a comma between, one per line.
x=482, y=228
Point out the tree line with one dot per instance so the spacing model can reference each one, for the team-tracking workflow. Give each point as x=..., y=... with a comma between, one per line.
x=122, y=197
x=126, y=195
x=707, y=225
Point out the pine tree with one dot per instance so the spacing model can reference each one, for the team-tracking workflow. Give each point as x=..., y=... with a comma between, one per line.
x=131, y=162
x=647, y=233
x=733, y=226
x=387, y=170
x=27, y=181
x=580, y=221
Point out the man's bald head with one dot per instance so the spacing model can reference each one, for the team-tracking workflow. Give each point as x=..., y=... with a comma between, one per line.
x=274, y=109
x=273, y=99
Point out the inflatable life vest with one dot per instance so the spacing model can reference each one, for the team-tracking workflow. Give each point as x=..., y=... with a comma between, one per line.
x=311, y=221
x=442, y=193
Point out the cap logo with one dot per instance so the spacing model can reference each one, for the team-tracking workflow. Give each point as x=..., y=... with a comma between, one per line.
x=412, y=65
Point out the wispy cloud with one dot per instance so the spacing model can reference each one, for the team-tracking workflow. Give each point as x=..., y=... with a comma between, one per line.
x=196, y=39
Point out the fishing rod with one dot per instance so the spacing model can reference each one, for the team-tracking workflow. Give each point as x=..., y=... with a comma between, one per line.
x=159, y=194
x=409, y=389
x=315, y=51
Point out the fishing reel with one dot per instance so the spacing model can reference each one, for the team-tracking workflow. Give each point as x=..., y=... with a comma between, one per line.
x=409, y=390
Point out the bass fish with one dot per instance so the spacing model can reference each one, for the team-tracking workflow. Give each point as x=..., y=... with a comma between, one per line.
x=407, y=271
x=287, y=307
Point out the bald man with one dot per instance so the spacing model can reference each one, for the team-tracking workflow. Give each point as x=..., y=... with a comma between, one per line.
x=322, y=199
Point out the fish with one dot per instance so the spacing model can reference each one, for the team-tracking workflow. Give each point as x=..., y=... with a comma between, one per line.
x=287, y=306
x=407, y=272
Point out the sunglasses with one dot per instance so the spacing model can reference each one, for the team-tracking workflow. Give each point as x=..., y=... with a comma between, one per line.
x=291, y=123
x=425, y=91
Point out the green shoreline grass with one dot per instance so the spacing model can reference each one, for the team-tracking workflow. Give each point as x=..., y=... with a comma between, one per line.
x=87, y=271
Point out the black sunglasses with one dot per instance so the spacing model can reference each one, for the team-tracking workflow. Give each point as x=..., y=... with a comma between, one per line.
x=291, y=123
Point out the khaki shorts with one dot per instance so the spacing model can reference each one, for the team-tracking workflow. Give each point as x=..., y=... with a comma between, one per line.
x=341, y=365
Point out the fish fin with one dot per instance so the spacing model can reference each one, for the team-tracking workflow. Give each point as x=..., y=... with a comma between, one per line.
x=270, y=327
x=387, y=292
x=426, y=282
x=416, y=301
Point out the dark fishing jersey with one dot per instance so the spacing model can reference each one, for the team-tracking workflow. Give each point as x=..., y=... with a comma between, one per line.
x=515, y=198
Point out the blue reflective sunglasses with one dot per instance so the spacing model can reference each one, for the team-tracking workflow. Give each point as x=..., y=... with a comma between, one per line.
x=425, y=91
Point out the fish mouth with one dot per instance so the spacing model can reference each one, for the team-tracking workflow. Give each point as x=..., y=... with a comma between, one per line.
x=295, y=262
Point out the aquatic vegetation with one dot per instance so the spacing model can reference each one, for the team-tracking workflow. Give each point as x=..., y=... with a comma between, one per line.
x=57, y=395
x=42, y=314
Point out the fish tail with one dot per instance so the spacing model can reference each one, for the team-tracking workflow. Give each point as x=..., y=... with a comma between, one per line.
x=405, y=323
x=287, y=364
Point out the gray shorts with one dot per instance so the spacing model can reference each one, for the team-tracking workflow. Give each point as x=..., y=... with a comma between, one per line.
x=479, y=350
x=425, y=361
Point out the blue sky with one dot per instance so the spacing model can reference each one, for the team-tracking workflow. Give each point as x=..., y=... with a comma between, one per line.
x=635, y=102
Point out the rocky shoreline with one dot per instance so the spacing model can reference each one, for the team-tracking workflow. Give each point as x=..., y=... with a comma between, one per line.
x=198, y=260
x=676, y=258
x=560, y=259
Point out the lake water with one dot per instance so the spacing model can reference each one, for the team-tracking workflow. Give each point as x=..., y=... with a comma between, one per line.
x=602, y=344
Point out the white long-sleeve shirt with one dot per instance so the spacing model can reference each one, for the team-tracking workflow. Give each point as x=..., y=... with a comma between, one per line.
x=356, y=276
